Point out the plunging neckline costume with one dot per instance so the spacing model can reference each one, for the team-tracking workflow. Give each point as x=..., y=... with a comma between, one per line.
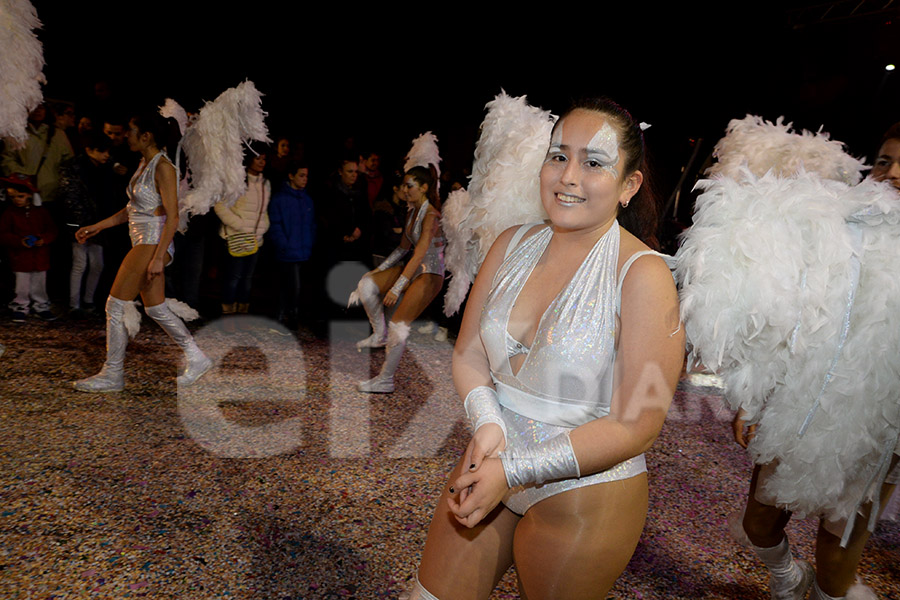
x=144, y=225
x=566, y=378
x=433, y=261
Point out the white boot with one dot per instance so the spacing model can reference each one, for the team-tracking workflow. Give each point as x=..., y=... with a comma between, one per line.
x=417, y=592
x=383, y=383
x=368, y=294
x=790, y=579
x=197, y=362
x=111, y=377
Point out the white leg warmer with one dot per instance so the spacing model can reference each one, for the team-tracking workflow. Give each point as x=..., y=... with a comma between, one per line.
x=860, y=591
x=417, y=592
x=197, y=362
x=383, y=383
x=111, y=377
x=368, y=294
x=818, y=594
x=790, y=579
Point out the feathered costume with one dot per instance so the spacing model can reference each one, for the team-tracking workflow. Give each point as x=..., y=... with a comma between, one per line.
x=504, y=189
x=214, y=146
x=789, y=290
x=21, y=67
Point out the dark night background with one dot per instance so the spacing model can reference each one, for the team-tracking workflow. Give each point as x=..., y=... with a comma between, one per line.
x=385, y=75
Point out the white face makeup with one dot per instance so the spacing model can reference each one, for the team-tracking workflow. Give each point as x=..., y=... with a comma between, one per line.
x=602, y=149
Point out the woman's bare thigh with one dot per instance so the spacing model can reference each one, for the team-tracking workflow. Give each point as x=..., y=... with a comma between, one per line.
x=417, y=297
x=132, y=274
x=131, y=278
x=574, y=545
x=459, y=563
x=385, y=279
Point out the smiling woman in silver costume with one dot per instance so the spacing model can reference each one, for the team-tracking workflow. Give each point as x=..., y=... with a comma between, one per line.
x=567, y=358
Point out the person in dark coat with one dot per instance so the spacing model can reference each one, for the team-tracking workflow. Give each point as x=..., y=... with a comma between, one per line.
x=292, y=232
x=88, y=190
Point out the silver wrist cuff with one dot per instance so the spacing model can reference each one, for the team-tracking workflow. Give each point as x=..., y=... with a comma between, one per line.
x=482, y=407
x=392, y=259
x=537, y=463
x=399, y=285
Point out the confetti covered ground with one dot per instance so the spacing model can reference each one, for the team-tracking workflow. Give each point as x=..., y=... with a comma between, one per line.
x=273, y=478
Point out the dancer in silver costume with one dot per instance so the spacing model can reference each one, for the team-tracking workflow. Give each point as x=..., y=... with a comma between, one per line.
x=152, y=217
x=568, y=357
x=411, y=286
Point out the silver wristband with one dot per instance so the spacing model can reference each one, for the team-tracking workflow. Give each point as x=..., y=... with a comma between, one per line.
x=482, y=407
x=392, y=259
x=537, y=463
x=399, y=285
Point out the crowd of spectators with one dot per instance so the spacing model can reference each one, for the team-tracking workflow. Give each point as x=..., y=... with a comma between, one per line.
x=303, y=222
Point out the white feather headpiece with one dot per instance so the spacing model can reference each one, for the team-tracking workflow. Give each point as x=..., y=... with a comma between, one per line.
x=424, y=152
x=504, y=189
x=763, y=146
x=21, y=67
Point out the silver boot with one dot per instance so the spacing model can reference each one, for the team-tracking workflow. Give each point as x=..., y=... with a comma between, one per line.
x=383, y=383
x=111, y=377
x=369, y=295
x=197, y=362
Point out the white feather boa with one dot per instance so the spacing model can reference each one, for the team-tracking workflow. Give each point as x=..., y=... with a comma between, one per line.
x=21, y=67
x=762, y=146
x=770, y=255
x=214, y=146
x=504, y=189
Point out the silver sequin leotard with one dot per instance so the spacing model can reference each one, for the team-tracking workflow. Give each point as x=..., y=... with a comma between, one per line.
x=566, y=379
x=433, y=261
x=144, y=226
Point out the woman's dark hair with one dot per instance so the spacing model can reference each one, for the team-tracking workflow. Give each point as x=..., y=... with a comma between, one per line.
x=892, y=133
x=641, y=217
x=165, y=131
x=428, y=175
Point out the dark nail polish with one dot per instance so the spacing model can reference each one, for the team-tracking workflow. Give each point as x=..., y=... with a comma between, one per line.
x=472, y=466
x=452, y=491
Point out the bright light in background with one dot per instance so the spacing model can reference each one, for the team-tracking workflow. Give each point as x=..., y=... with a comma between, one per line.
x=889, y=67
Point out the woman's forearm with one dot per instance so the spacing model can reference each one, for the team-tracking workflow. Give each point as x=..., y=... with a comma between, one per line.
x=115, y=219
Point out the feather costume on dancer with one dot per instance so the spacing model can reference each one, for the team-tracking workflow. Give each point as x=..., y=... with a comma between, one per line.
x=503, y=190
x=21, y=66
x=214, y=146
x=788, y=286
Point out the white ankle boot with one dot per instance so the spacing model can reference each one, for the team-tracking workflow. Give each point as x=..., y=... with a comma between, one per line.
x=111, y=377
x=197, y=362
x=383, y=383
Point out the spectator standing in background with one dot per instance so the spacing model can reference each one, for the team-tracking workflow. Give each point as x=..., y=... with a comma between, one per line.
x=292, y=232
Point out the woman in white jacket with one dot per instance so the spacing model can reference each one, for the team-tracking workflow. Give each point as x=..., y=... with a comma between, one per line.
x=243, y=226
